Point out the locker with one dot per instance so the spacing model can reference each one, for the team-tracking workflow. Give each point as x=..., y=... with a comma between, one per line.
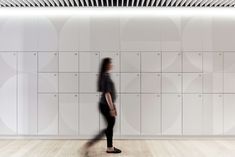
x=213, y=82
x=150, y=61
x=88, y=114
x=150, y=83
x=27, y=93
x=47, y=114
x=171, y=114
x=48, y=82
x=8, y=94
x=68, y=82
x=103, y=125
x=212, y=62
x=192, y=62
x=68, y=62
x=229, y=62
x=192, y=82
x=150, y=114
x=89, y=61
x=192, y=114
x=130, y=62
x=115, y=59
x=171, y=62
x=229, y=116
x=212, y=114
x=88, y=82
x=229, y=86
x=130, y=114
x=48, y=62
x=130, y=82
x=171, y=82
x=68, y=114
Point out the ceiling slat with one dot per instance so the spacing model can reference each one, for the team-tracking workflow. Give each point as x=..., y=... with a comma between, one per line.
x=218, y=2
x=11, y=3
x=225, y=1
x=152, y=2
x=72, y=2
x=42, y=2
x=162, y=2
x=157, y=3
x=22, y=3
x=37, y=2
x=31, y=2
x=2, y=3
x=230, y=3
x=52, y=2
x=173, y=2
x=119, y=3
x=67, y=2
x=57, y=3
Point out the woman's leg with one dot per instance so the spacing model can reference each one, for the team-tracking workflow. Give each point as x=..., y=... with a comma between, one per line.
x=102, y=132
x=109, y=130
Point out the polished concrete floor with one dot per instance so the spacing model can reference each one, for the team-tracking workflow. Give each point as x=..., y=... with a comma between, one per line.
x=130, y=148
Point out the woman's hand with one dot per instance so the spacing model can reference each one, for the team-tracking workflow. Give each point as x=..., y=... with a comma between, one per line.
x=113, y=112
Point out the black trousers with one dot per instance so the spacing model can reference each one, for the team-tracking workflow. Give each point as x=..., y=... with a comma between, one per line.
x=110, y=121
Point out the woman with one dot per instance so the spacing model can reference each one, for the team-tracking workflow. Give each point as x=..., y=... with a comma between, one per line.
x=106, y=106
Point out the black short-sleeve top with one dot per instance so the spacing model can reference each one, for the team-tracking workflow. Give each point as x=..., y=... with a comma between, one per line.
x=107, y=85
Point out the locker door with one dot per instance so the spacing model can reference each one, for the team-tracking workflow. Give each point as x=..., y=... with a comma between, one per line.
x=213, y=114
x=171, y=62
x=68, y=114
x=229, y=62
x=68, y=61
x=88, y=114
x=88, y=82
x=213, y=82
x=150, y=82
x=68, y=82
x=229, y=86
x=192, y=62
x=192, y=82
x=89, y=61
x=130, y=82
x=48, y=114
x=27, y=93
x=192, y=114
x=48, y=62
x=8, y=91
x=229, y=116
x=171, y=82
x=213, y=62
x=130, y=114
x=151, y=62
x=150, y=114
x=48, y=82
x=130, y=61
x=171, y=114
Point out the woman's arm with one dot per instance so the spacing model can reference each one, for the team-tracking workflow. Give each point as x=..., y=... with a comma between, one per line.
x=109, y=100
x=112, y=108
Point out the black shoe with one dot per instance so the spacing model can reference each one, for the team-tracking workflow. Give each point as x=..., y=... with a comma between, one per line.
x=115, y=150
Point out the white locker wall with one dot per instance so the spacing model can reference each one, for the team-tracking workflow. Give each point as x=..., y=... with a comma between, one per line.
x=176, y=58
x=27, y=93
x=8, y=93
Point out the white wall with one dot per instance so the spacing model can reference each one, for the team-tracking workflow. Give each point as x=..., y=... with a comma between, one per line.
x=174, y=75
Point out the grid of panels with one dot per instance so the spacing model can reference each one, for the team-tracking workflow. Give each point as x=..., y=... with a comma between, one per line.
x=143, y=85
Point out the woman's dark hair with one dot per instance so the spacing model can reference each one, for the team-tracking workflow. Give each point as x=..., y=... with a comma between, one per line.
x=103, y=69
